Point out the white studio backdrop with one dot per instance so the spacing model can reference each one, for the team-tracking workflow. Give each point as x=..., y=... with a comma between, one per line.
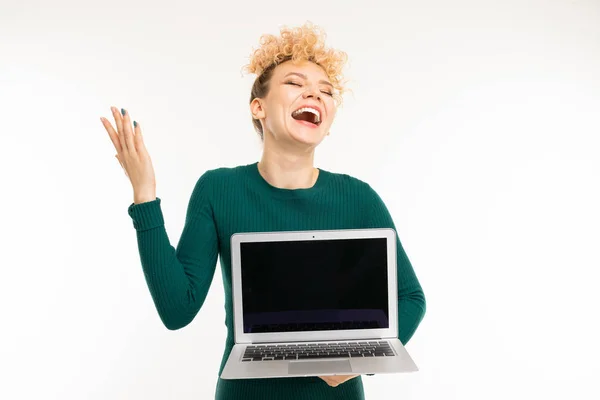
x=478, y=123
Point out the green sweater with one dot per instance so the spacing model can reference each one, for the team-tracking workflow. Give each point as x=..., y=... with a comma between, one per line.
x=225, y=201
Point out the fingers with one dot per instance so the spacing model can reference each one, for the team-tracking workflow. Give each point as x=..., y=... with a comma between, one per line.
x=138, y=139
x=119, y=124
x=328, y=380
x=128, y=131
x=114, y=137
x=333, y=383
x=337, y=380
x=124, y=138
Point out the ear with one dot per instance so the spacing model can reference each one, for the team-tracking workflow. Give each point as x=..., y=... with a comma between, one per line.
x=256, y=109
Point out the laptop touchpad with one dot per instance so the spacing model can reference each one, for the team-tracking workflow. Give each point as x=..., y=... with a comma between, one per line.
x=319, y=367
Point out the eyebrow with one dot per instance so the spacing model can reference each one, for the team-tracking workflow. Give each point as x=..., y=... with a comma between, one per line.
x=304, y=76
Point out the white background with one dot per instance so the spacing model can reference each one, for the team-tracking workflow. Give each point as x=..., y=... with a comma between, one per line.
x=476, y=121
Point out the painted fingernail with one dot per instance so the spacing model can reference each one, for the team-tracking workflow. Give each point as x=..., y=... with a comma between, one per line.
x=123, y=111
x=134, y=124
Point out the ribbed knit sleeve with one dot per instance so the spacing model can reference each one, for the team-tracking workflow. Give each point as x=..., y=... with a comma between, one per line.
x=411, y=299
x=178, y=279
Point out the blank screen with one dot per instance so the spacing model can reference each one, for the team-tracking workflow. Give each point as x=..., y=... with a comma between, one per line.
x=312, y=285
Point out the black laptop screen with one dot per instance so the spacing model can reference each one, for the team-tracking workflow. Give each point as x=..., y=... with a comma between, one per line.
x=336, y=284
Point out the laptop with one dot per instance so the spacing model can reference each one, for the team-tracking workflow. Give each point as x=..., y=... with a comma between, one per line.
x=315, y=303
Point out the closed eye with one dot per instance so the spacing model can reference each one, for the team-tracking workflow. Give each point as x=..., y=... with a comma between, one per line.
x=296, y=84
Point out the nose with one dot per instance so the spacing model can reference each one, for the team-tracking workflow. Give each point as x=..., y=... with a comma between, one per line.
x=312, y=92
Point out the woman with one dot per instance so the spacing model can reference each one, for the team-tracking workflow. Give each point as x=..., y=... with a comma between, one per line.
x=293, y=104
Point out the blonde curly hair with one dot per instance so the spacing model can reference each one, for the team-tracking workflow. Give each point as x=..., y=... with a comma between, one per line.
x=296, y=44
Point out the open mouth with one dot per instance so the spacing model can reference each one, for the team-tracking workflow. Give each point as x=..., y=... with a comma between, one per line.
x=308, y=115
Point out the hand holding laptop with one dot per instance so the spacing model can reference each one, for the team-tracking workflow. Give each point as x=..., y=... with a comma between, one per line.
x=315, y=303
x=336, y=380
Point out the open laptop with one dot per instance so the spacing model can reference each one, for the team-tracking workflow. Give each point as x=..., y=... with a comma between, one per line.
x=315, y=303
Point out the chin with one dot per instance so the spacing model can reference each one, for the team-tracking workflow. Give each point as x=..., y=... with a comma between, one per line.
x=305, y=137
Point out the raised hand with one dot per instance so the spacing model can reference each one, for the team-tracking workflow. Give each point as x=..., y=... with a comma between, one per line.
x=132, y=155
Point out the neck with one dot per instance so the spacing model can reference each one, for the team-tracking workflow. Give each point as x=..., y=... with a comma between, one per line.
x=287, y=171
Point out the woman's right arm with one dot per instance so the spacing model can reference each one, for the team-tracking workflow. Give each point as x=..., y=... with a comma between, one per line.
x=178, y=279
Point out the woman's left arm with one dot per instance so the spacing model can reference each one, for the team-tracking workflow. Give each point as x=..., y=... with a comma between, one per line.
x=411, y=299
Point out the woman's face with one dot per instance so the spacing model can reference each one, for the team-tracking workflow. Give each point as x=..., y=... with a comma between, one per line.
x=294, y=86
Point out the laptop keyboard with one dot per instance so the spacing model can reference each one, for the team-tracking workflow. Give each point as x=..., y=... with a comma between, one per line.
x=270, y=352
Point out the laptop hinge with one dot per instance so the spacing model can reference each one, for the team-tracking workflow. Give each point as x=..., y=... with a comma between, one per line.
x=319, y=340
